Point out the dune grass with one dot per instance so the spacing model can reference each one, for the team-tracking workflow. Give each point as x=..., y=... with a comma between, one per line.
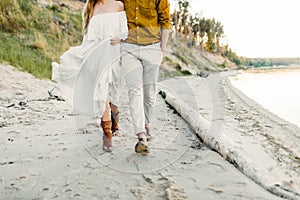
x=24, y=57
x=32, y=36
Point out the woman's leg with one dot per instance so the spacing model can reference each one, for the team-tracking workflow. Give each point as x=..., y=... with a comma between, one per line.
x=106, y=115
x=106, y=127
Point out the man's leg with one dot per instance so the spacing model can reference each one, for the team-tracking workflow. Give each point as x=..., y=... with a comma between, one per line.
x=133, y=73
x=151, y=58
x=132, y=70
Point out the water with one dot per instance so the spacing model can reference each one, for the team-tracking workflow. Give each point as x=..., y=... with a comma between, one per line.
x=276, y=90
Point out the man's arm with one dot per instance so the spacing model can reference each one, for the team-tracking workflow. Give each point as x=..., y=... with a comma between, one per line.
x=163, y=11
x=164, y=39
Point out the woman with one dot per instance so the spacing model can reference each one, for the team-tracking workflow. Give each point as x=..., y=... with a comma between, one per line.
x=84, y=71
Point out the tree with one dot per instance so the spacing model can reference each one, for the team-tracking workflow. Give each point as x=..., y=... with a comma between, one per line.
x=219, y=33
x=183, y=10
x=202, y=25
x=208, y=32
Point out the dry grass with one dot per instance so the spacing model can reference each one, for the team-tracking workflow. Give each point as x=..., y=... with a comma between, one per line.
x=11, y=17
x=39, y=43
x=31, y=37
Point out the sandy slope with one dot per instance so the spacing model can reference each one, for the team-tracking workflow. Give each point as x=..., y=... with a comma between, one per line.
x=44, y=157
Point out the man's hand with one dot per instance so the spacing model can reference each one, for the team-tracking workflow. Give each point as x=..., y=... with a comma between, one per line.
x=163, y=51
x=114, y=41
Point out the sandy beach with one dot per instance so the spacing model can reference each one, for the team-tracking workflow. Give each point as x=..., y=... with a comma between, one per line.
x=43, y=156
x=262, y=145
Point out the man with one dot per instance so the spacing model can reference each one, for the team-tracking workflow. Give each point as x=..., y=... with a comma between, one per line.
x=142, y=53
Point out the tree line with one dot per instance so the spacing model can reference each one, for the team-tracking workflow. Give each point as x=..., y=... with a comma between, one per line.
x=267, y=62
x=198, y=31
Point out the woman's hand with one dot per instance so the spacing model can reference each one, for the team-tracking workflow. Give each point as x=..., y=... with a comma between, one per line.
x=114, y=41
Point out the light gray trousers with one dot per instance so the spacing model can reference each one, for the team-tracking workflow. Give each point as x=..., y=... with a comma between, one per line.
x=139, y=70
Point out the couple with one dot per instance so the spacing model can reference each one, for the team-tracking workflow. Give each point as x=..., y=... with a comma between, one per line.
x=124, y=41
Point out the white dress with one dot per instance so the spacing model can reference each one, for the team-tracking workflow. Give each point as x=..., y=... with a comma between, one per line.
x=84, y=71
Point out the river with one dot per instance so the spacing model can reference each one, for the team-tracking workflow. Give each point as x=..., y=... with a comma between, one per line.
x=277, y=90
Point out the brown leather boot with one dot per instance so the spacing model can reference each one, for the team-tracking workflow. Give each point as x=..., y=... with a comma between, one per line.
x=107, y=135
x=114, y=122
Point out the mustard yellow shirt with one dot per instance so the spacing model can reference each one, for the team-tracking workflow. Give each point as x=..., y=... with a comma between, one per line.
x=145, y=20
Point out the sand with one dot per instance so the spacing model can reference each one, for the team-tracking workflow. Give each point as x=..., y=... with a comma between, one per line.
x=263, y=146
x=43, y=156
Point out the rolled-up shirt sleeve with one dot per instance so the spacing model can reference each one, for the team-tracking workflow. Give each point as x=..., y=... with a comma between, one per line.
x=163, y=11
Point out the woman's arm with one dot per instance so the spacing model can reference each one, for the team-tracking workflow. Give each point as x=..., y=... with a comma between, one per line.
x=120, y=7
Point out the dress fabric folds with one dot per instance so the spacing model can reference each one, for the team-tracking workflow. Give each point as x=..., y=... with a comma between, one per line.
x=85, y=71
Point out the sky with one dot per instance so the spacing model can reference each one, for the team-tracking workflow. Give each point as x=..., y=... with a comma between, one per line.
x=256, y=28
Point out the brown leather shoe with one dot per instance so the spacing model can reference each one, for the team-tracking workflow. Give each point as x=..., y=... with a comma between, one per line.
x=107, y=135
x=142, y=146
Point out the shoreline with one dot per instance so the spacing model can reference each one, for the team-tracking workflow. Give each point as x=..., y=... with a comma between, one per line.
x=262, y=106
x=264, y=111
x=250, y=132
x=272, y=69
x=288, y=126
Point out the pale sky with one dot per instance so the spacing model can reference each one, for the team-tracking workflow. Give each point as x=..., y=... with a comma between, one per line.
x=256, y=28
